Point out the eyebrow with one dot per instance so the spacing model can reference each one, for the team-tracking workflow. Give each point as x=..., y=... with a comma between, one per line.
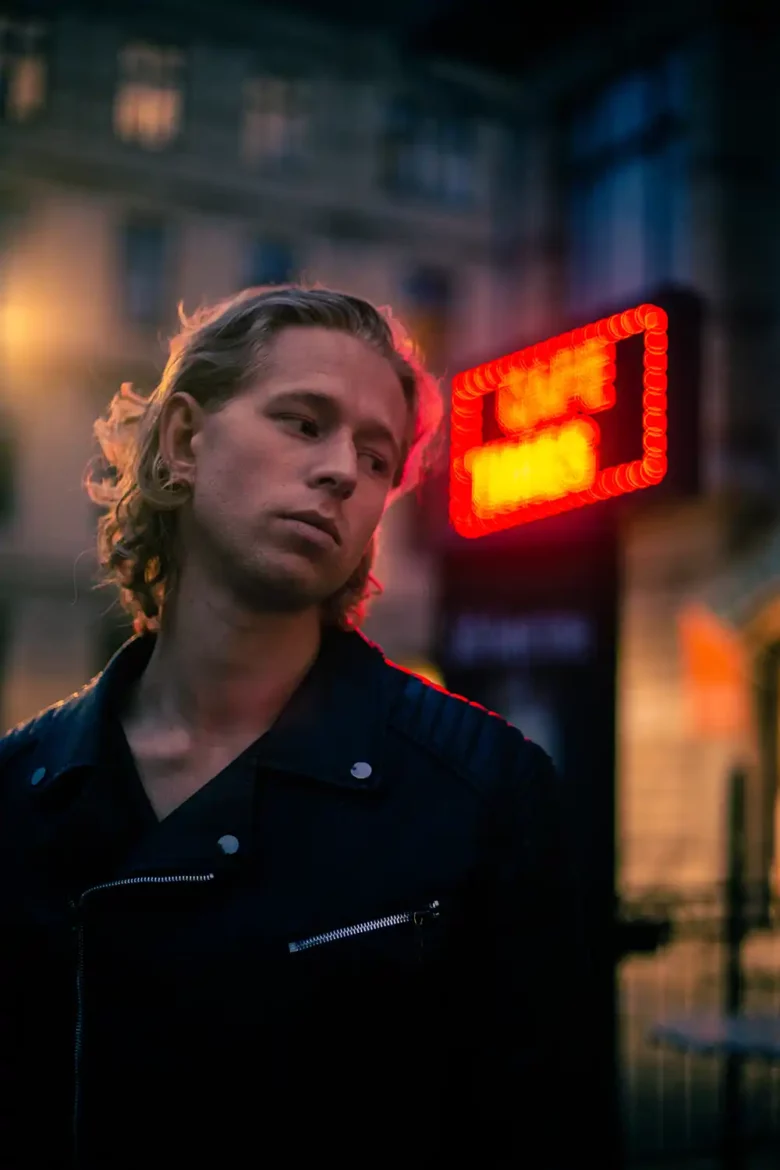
x=317, y=399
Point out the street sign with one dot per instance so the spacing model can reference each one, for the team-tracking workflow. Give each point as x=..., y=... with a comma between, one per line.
x=479, y=639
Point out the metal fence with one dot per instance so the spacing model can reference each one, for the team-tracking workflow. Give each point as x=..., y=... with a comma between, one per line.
x=673, y=1102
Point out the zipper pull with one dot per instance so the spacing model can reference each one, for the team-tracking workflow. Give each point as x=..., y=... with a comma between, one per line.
x=420, y=917
x=432, y=910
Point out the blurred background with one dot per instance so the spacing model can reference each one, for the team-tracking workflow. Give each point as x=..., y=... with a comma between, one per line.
x=497, y=175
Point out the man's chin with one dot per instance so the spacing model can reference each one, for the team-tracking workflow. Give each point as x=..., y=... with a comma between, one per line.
x=282, y=591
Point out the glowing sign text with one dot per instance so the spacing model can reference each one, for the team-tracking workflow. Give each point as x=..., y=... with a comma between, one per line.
x=545, y=397
x=581, y=376
x=557, y=461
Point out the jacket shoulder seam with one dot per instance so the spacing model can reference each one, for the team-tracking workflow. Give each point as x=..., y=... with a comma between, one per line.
x=461, y=734
x=29, y=732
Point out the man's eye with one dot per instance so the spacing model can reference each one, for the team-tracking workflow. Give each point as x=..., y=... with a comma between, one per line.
x=302, y=424
x=379, y=465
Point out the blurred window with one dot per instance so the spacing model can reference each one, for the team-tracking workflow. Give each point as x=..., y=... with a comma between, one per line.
x=428, y=297
x=149, y=101
x=22, y=69
x=628, y=188
x=145, y=269
x=430, y=155
x=276, y=120
x=270, y=262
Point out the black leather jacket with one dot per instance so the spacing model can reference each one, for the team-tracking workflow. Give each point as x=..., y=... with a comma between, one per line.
x=359, y=947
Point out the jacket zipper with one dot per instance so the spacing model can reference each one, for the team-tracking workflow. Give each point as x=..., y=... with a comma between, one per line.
x=418, y=917
x=75, y=907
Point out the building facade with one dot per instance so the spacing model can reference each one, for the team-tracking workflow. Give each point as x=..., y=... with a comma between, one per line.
x=147, y=160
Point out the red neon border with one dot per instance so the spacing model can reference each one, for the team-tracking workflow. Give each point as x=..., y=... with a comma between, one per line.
x=470, y=386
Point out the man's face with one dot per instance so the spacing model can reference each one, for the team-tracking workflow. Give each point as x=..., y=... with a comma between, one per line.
x=291, y=476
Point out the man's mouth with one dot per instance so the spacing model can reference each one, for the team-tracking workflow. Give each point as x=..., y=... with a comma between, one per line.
x=318, y=521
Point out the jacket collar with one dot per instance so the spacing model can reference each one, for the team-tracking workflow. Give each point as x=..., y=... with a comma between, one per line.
x=331, y=730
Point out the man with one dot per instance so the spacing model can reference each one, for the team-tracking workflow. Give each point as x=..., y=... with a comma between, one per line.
x=267, y=898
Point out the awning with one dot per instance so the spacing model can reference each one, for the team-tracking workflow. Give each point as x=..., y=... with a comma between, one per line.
x=738, y=593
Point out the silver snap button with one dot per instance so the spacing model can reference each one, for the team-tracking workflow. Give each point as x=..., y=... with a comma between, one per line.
x=37, y=776
x=228, y=843
x=361, y=770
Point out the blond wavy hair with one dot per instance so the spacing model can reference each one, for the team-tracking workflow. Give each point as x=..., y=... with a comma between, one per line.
x=218, y=352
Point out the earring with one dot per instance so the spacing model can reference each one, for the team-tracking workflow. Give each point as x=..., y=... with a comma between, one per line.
x=161, y=474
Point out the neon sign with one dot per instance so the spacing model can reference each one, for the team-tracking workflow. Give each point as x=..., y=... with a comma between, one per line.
x=546, y=397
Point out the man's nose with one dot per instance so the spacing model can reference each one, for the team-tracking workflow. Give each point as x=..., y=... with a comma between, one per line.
x=336, y=466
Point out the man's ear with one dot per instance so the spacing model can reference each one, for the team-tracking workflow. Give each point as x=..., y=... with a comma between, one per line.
x=181, y=420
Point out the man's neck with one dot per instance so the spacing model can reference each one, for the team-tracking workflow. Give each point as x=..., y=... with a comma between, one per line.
x=216, y=671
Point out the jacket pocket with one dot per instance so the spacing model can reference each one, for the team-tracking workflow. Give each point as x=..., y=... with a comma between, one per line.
x=417, y=917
